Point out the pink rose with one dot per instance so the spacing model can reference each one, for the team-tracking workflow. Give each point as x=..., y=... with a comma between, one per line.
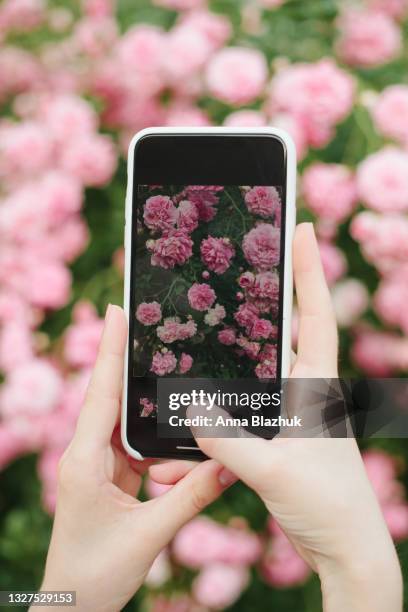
x=187, y=218
x=61, y=196
x=172, y=330
x=394, y=8
x=175, y=248
x=282, y=566
x=185, y=363
x=237, y=75
x=245, y=118
x=379, y=353
x=82, y=337
x=329, y=190
x=246, y=314
x=163, y=363
x=390, y=113
x=368, y=38
x=261, y=329
x=201, y=296
x=263, y=201
x=90, y=158
x=69, y=117
x=21, y=15
x=350, y=299
x=148, y=313
x=265, y=286
x=159, y=213
x=48, y=284
x=142, y=49
x=396, y=518
x=219, y=585
x=215, y=27
x=382, y=180
x=187, y=115
x=320, y=93
x=95, y=37
x=24, y=149
x=227, y=336
x=333, y=261
x=266, y=369
x=215, y=315
x=251, y=349
x=261, y=246
x=216, y=253
x=180, y=5
x=390, y=299
x=16, y=345
x=246, y=280
x=204, y=200
x=32, y=388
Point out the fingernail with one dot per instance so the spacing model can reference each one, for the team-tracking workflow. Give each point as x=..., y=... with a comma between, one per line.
x=108, y=312
x=227, y=478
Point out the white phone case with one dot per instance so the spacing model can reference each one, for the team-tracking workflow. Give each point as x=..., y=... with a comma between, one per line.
x=290, y=222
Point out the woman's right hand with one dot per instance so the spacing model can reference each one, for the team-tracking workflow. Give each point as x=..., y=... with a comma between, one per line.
x=317, y=489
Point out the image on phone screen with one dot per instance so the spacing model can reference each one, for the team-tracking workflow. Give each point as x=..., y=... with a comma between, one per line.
x=206, y=283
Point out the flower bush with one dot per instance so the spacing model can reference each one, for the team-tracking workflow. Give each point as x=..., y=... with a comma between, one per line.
x=76, y=81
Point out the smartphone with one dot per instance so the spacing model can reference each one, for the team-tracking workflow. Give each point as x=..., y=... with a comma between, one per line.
x=210, y=216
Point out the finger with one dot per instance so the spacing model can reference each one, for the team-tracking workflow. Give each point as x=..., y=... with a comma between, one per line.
x=170, y=472
x=186, y=499
x=317, y=339
x=99, y=413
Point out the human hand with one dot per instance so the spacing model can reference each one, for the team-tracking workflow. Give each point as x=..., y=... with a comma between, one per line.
x=317, y=489
x=104, y=540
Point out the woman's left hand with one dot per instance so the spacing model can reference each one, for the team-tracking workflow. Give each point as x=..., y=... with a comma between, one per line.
x=104, y=540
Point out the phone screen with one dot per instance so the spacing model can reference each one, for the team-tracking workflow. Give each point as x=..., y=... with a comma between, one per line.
x=206, y=265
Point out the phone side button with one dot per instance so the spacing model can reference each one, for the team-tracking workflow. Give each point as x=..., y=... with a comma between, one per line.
x=194, y=448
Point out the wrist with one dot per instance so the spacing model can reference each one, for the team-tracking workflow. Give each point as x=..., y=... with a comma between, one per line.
x=361, y=583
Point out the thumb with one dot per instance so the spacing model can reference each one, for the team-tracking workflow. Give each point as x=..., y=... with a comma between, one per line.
x=187, y=498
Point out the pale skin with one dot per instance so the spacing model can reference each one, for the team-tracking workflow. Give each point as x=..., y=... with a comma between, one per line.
x=104, y=540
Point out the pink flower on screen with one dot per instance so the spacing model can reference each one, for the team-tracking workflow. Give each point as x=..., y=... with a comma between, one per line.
x=246, y=314
x=368, y=38
x=382, y=180
x=267, y=368
x=261, y=246
x=245, y=118
x=265, y=286
x=227, y=336
x=250, y=348
x=237, y=75
x=147, y=407
x=216, y=253
x=90, y=158
x=174, y=248
x=247, y=279
x=261, y=329
x=201, y=296
x=219, y=585
x=187, y=216
x=173, y=330
x=185, y=363
x=329, y=190
x=263, y=201
x=159, y=213
x=205, y=201
x=34, y=387
x=163, y=363
x=215, y=315
x=149, y=313
x=390, y=113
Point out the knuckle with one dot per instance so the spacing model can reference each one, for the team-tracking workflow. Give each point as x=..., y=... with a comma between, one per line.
x=199, y=498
